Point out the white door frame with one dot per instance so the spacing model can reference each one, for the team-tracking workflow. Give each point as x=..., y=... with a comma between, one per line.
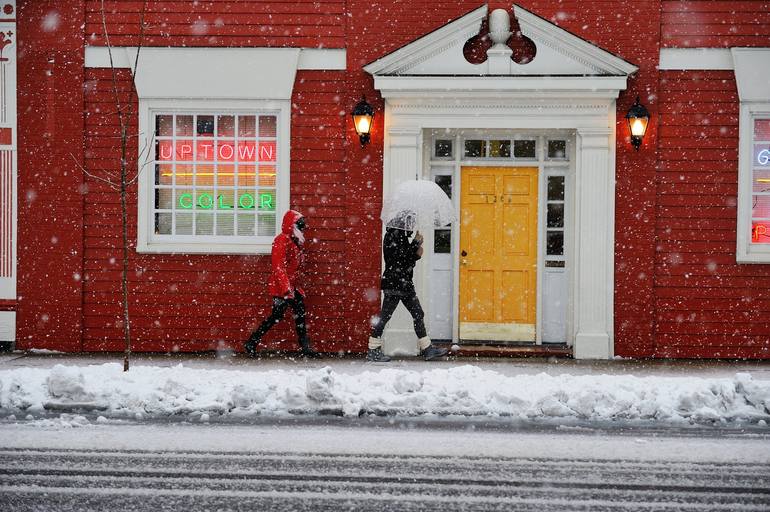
x=453, y=167
x=590, y=113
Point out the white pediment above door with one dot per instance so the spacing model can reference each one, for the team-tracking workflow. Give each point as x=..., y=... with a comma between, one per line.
x=559, y=53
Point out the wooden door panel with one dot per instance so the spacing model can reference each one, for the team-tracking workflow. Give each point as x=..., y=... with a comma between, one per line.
x=516, y=285
x=480, y=296
x=498, y=234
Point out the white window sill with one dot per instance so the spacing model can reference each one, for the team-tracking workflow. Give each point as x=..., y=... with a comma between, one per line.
x=203, y=248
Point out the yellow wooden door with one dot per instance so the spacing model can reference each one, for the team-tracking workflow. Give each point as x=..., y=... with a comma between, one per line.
x=498, y=253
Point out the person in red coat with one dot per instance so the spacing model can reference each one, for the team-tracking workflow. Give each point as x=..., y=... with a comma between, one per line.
x=287, y=258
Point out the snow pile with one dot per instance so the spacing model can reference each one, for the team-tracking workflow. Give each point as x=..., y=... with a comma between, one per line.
x=200, y=395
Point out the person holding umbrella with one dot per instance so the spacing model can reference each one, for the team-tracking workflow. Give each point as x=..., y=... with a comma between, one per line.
x=287, y=257
x=401, y=254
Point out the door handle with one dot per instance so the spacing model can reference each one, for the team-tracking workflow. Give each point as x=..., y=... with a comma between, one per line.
x=463, y=254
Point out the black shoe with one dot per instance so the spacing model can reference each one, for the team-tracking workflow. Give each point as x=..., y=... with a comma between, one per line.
x=375, y=355
x=432, y=352
x=250, y=348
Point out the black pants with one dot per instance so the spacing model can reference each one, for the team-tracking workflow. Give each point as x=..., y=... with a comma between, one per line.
x=280, y=305
x=389, y=304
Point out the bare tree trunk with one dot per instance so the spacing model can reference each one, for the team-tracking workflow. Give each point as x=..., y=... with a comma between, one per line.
x=124, y=218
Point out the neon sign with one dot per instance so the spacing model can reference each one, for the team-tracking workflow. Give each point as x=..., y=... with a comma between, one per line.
x=760, y=234
x=206, y=201
x=763, y=157
x=221, y=151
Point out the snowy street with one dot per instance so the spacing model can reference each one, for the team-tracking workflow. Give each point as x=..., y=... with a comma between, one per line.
x=381, y=466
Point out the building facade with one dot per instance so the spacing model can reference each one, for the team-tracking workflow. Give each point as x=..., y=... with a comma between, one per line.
x=233, y=112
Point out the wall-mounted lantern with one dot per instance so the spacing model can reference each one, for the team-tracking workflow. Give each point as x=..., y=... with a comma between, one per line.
x=363, y=115
x=638, y=117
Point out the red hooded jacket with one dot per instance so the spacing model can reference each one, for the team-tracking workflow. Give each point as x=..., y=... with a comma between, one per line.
x=287, y=258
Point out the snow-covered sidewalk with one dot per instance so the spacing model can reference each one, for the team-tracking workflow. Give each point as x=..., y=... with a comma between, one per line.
x=198, y=393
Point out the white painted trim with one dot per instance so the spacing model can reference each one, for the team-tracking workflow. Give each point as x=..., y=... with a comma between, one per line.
x=327, y=59
x=227, y=73
x=686, y=59
x=746, y=252
x=331, y=59
x=145, y=226
x=9, y=196
x=451, y=34
x=7, y=326
x=570, y=45
x=591, y=306
x=440, y=53
x=752, y=74
x=497, y=86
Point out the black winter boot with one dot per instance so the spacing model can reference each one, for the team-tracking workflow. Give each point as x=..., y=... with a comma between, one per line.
x=308, y=352
x=375, y=355
x=432, y=352
x=250, y=347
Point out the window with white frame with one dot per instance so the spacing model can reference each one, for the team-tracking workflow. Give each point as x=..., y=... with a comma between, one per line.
x=754, y=186
x=216, y=182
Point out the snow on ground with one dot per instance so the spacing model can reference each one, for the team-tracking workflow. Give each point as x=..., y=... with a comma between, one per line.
x=201, y=394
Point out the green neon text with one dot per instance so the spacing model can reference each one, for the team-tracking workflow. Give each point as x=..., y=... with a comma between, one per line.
x=206, y=201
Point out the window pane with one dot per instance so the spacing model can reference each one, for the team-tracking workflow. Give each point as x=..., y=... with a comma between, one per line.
x=247, y=126
x=204, y=175
x=443, y=148
x=266, y=200
x=266, y=225
x=761, y=182
x=760, y=207
x=204, y=200
x=761, y=155
x=164, y=174
x=475, y=148
x=246, y=223
x=556, y=215
x=760, y=232
x=225, y=126
x=246, y=201
x=247, y=176
x=205, y=126
x=163, y=223
x=267, y=151
x=762, y=129
x=163, y=198
x=184, y=224
x=225, y=199
x=204, y=223
x=184, y=126
x=557, y=149
x=554, y=243
x=164, y=125
x=267, y=126
x=445, y=183
x=500, y=148
x=184, y=199
x=266, y=176
x=524, y=149
x=556, y=188
x=442, y=241
x=225, y=224
x=226, y=175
